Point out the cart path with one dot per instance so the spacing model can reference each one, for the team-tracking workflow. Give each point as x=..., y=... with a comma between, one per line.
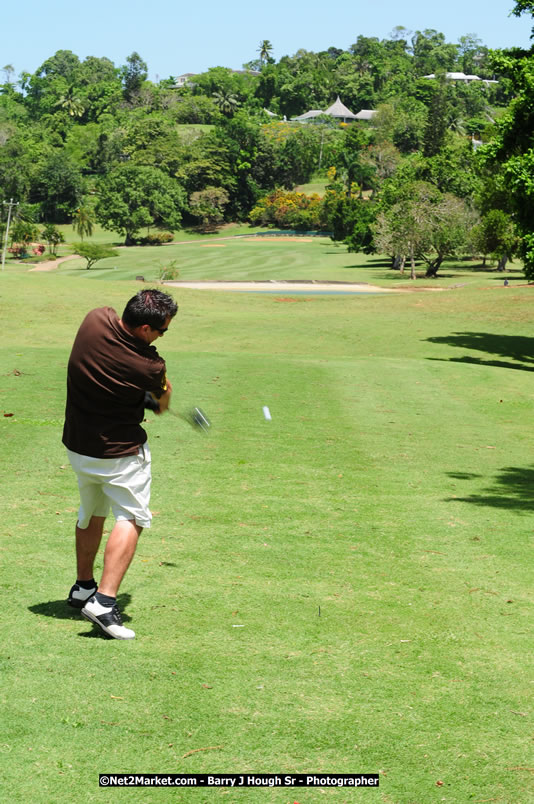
x=51, y=264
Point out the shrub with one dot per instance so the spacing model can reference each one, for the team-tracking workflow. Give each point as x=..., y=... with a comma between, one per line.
x=288, y=210
x=169, y=271
x=93, y=252
x=24, y=232
x=155, y=239
x=19, y=250
x=53, y=237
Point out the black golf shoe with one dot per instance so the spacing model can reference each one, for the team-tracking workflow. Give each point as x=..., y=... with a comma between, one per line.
x=78, y=596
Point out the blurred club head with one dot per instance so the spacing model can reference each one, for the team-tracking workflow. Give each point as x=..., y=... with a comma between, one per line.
x=198, y=418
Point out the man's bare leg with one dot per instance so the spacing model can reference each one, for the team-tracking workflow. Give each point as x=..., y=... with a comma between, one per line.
x=120, y=550
x=87, y=543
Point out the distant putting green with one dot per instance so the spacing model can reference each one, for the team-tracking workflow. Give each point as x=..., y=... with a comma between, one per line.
x=248, y=258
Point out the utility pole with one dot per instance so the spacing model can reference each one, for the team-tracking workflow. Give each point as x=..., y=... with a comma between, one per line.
x=321, y=152
x=10, y=207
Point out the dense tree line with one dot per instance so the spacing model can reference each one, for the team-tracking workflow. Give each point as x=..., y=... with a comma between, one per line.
x=87, y=140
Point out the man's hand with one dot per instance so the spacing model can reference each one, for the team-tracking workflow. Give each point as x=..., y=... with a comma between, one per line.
x=165, y=399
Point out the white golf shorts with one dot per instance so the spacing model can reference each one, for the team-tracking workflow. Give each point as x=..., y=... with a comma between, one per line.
x=120, y=484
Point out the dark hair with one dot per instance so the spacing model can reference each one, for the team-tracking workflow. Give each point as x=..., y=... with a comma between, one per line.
x=151, y=307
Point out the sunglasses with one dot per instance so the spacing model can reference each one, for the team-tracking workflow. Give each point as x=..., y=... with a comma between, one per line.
x=161, y=331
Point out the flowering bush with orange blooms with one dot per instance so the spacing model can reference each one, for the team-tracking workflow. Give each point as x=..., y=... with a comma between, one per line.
x=288, y=210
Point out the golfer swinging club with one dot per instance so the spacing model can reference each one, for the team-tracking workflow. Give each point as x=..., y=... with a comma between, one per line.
x=111, y=367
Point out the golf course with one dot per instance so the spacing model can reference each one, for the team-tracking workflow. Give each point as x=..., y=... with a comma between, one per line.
x=343, y=589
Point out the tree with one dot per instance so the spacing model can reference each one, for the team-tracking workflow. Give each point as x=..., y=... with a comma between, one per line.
x=133, y=74
x=63, y=63
x=82, y=221
x=470, y=52
x=239, y=138
x=296, y=153
x=524, y=7
x=226, y=102
x=72, y=104
x=154, y=141
x=58, y=188
x=53, y=237
x=8, y=71
x=132, y=197
x=17, y=165
x=437, y=120
x=384, y=158
x=207, y=164
x=401, y=121
x=349, y=219
x=23, y=232
x=510, y=154
x=425, y=224
x=398, y=232
x=209, y=205
x=349, y=163
x=93, y=252
x=431, y=54
x=264, y=50
x=195, y=109
x=496, y=235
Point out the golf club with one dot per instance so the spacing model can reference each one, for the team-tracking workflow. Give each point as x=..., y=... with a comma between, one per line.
x=195, y=417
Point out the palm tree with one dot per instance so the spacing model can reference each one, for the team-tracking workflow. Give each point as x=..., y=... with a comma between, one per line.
x=350, y=164
x=264, y=50
x=82, y=222
x=457, y=124
x=226, y=101
x=71, y=104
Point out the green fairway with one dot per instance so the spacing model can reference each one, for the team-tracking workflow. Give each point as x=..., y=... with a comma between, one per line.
x=314, y=186
x=236, y=254
x=103, y=237
x=343, y=589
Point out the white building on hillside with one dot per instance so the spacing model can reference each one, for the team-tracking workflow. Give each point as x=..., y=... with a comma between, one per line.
x=338, y=111
x=466, y=79
x=184, y=80
x=366, y=114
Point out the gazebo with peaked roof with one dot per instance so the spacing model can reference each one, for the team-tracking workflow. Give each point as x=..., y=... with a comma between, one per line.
x=340, y=111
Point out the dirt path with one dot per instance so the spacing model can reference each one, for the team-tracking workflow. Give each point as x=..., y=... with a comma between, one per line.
x=49, y=265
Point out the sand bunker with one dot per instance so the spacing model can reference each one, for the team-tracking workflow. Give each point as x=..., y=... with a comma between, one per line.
x=277, y=286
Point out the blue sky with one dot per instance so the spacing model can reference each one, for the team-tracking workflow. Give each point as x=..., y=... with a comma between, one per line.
x=175, y=38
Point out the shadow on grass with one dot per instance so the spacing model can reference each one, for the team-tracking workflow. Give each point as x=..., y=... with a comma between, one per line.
x=477, y=361
x=60, y=609
x=501, y=278
x=514, y=347
x=511, y=490
x=377, y=264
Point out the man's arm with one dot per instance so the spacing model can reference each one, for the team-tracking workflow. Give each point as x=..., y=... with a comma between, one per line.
x=165, y=399
x=161, y=404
